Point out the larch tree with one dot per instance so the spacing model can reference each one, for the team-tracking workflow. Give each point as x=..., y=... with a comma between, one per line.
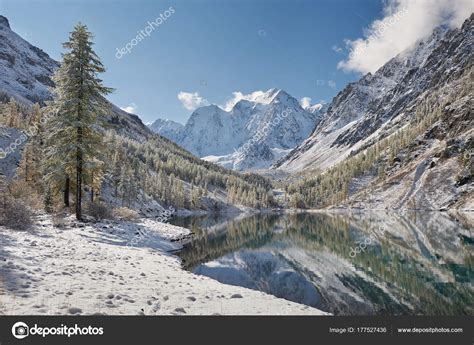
x=29, y=168
x=14, y=114
x=78, y=110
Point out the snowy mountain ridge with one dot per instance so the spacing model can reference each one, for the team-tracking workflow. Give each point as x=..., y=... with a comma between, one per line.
x=367, y=109
x=25, y=69
x=399, y=138
x=167, y=128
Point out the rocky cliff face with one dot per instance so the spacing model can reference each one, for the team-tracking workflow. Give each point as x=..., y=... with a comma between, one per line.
x=25, y=69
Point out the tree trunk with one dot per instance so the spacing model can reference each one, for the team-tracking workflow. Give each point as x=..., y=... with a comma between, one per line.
x=26, y=166
x=92, y=195
x=79, y=151
x=66, y=192
x=79, y=175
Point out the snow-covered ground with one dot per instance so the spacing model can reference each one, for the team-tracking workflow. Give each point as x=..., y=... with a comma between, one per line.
x=115, y=268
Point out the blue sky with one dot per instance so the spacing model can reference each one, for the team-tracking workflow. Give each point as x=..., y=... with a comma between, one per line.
x=212, y=48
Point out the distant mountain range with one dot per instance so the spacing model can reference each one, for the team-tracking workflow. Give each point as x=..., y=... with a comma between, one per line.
x=167, y=128
x=253, y=134
x=430, y=82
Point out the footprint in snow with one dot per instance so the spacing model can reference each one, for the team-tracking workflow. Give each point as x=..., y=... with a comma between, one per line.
x=110, y=304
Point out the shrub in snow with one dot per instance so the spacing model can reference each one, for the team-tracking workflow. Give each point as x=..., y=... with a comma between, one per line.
x=98, y=211
x=125, y=213
x=14, y=214
x=20, y=190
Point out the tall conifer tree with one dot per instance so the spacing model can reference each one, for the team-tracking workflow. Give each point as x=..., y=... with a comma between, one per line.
x=75, y=132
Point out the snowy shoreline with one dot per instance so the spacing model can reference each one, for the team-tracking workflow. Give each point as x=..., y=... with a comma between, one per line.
x=98, y=268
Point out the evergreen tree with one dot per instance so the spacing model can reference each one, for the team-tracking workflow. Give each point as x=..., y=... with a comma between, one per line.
x=13, y=114
x=78, y=107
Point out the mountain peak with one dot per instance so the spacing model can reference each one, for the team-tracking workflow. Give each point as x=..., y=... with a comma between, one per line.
x=207, y=109
x=270, y=95
x=264, y=97
x=281, y=95
x=4, y=22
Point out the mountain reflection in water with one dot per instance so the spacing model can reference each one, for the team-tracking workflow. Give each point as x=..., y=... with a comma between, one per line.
x=343, y=263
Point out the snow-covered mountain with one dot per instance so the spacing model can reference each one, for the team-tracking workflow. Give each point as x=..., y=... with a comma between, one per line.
x=373, y=106
x=167, y=128
x=25, y=69
x=403, y=135
x=253, y=134
x=319, y=108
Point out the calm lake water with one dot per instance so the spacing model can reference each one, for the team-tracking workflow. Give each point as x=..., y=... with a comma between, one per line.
x=345, y=264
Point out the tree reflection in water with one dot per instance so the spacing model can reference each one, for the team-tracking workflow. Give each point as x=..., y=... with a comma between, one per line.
x=414, y=264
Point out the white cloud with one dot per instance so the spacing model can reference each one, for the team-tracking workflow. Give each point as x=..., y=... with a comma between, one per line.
x=305, y=102
x=404, y=23
x=132, y=108
x=336, y=49
x=263, y=97
x=238, y=96
x=192, y=100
